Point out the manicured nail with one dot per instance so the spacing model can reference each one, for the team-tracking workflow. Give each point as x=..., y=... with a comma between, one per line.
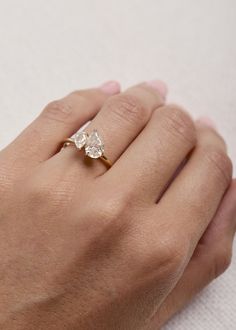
x=159, y=86
x=110, y=87
x=206, y=121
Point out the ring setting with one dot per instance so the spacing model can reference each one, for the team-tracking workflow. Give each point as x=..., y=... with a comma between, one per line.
x=92, y=144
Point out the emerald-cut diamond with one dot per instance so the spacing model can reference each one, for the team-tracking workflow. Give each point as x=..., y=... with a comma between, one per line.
x=94, y=146
x=80, y=139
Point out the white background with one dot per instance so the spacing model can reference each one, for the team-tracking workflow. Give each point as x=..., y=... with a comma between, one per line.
x=48, y=48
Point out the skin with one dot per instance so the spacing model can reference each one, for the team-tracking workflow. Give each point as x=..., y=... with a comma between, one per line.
x=83, y=247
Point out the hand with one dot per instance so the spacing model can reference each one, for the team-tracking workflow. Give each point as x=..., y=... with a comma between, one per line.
x=86, y=248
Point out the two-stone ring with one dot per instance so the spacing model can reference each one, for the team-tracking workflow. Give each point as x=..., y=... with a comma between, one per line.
x=91, y=143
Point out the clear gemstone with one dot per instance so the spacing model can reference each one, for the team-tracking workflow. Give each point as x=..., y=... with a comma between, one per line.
x=80, y=139
x=94, y=147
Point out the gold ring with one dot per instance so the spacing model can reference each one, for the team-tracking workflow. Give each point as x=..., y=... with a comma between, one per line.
x=91, y=143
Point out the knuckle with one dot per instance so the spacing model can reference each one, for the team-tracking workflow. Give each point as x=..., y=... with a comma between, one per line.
x=220, y=164
x=58, y=110
x=82, y=97
x=221, y=261
x=180, y=124
x=108, y=221
x=127, y=107
x=172, y=252
x=165, y=256
x=110, y=210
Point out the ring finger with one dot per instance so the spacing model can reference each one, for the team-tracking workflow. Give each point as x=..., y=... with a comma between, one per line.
x=120, y=120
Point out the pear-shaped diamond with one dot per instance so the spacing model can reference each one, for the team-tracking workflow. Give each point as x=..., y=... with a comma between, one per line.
x=94, y=147
x=80, y=139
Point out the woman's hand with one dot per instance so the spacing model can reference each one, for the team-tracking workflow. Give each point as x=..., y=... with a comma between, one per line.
x=86, y=248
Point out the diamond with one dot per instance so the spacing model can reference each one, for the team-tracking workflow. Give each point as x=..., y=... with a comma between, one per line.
x=94, y=147
x=80, y=139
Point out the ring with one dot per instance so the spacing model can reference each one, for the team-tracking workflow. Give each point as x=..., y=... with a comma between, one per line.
x=91, y=143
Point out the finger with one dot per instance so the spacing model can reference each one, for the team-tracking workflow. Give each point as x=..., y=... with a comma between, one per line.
x=59, y=120
x=211, y=258
x=156, y=153
x=197, y=191
x=121, y=119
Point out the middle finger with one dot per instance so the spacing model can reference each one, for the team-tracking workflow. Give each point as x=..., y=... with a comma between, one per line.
x=155, y=155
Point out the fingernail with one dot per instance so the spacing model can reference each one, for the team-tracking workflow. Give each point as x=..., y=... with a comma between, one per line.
x=159, y=86
x=206, y=121
x=110, y=87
